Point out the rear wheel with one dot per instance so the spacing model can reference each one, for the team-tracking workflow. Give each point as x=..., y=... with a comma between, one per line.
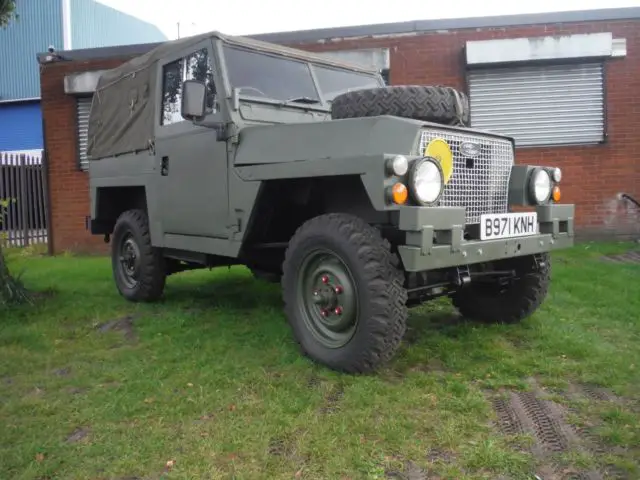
x=510, y=303
x=343, y=293
x=138, y=267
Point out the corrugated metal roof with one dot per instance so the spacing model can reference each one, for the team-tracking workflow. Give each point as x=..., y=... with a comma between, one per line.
x=96, y=25
x=38, y=26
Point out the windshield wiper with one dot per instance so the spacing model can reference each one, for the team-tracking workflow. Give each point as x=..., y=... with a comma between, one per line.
x=305, y=100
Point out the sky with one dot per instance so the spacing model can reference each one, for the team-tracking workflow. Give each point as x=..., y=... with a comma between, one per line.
x=244, y=17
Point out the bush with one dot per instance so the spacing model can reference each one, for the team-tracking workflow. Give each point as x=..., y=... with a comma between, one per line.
x=11, y=289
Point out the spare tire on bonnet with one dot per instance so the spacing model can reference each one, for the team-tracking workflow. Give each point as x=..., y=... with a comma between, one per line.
x=436, y=104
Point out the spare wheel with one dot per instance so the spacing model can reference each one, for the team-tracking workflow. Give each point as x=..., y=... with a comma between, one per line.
x=436, y=104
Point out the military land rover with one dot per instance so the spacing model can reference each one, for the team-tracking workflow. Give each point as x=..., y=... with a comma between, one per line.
x=360, y=198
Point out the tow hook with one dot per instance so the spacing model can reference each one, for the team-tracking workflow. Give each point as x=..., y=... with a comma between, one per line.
x=463, y=276
x=540, y=263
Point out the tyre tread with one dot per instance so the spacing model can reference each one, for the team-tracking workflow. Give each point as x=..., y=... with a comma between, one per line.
x=153, y=277
x=439, y=104
x=386, y=327
x=519, y=303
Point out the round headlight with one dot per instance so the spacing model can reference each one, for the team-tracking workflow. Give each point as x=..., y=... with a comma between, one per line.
x=426, y=181
x=540, y=185
x=399, y=165
x=557, y=175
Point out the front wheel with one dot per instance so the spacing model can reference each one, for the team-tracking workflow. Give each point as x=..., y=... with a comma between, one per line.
x=510, y=303
x=343, y=293
x=138, y=268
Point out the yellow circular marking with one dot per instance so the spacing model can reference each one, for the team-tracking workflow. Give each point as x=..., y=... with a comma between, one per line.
x=440, y=150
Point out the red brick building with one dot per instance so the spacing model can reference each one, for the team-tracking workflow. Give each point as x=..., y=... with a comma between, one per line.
x=565, y=85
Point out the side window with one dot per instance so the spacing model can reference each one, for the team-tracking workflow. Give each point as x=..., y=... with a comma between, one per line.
x=196, y=66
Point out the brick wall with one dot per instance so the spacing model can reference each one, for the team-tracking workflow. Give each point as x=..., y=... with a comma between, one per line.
x=68, y=185
x=594, y=176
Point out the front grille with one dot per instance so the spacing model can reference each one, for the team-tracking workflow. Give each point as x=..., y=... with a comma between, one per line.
x=479, y=184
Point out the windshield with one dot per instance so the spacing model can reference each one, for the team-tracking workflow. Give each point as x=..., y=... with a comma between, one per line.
x=333, y=82
x=281, y=79
x=267, y=76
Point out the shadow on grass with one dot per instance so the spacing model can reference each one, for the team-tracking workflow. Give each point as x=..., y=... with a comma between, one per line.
x=244, y=293
x=230, y=292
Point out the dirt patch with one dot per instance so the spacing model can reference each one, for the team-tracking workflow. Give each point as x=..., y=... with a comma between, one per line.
x=285, y=447
x=124, y=325
x=533, y=413
x=410, y=471
x=76, y=390
x=332, y=400
x=436, y=455
x=392, y=376
x=433, y=366
x=207, y=417
x=595, y=393
x=279, y=447
x=78, y=435
x=62, y=372
x=313, y=381
x=544, y=419
x=509, y=421
x=631, y=257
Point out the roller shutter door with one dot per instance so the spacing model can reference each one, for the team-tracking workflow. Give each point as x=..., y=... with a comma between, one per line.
x=540, y=105
x=83, y=108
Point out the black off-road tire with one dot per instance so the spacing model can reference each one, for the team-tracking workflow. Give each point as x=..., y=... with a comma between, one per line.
x=134, y=224
x=511, y=304
x=438, y=104
x=378, y=280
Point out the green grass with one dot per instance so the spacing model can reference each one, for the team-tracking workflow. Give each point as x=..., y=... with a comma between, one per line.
x=210, y=379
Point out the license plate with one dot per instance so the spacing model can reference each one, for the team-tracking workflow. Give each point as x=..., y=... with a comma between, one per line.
x=505, y=225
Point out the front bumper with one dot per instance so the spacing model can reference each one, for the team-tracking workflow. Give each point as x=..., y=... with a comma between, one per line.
x=434, y=237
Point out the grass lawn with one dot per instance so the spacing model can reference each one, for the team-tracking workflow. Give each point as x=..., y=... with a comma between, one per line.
x=208, y=384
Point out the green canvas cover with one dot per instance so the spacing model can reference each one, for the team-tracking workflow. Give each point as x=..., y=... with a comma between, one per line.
x=123, y=110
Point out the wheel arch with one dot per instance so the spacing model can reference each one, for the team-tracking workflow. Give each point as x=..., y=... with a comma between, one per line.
x=283, y=205
x=110, y=202
x=292, y=201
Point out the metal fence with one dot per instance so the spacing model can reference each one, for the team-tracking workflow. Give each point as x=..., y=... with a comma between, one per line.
x=23, y=186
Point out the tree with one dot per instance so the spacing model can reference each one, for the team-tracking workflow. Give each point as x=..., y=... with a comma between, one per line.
x=7, y=12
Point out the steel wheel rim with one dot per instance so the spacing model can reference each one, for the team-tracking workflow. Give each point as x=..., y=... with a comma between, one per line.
x=327, y=298
x=129, y=261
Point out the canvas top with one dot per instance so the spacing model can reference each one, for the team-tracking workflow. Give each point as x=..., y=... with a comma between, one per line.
x=123, y=111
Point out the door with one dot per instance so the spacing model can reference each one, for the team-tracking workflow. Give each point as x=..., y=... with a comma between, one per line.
x=191, y=162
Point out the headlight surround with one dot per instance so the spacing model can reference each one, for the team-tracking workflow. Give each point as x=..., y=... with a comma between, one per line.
x=540, y=185
x=426, y=181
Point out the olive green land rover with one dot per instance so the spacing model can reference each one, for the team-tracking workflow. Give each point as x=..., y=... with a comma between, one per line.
x=361, y=199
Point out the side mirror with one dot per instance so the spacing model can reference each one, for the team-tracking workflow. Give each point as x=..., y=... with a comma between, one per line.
x=194, y=97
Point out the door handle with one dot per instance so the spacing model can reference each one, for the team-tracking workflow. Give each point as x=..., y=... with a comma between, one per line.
x=164, y=166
